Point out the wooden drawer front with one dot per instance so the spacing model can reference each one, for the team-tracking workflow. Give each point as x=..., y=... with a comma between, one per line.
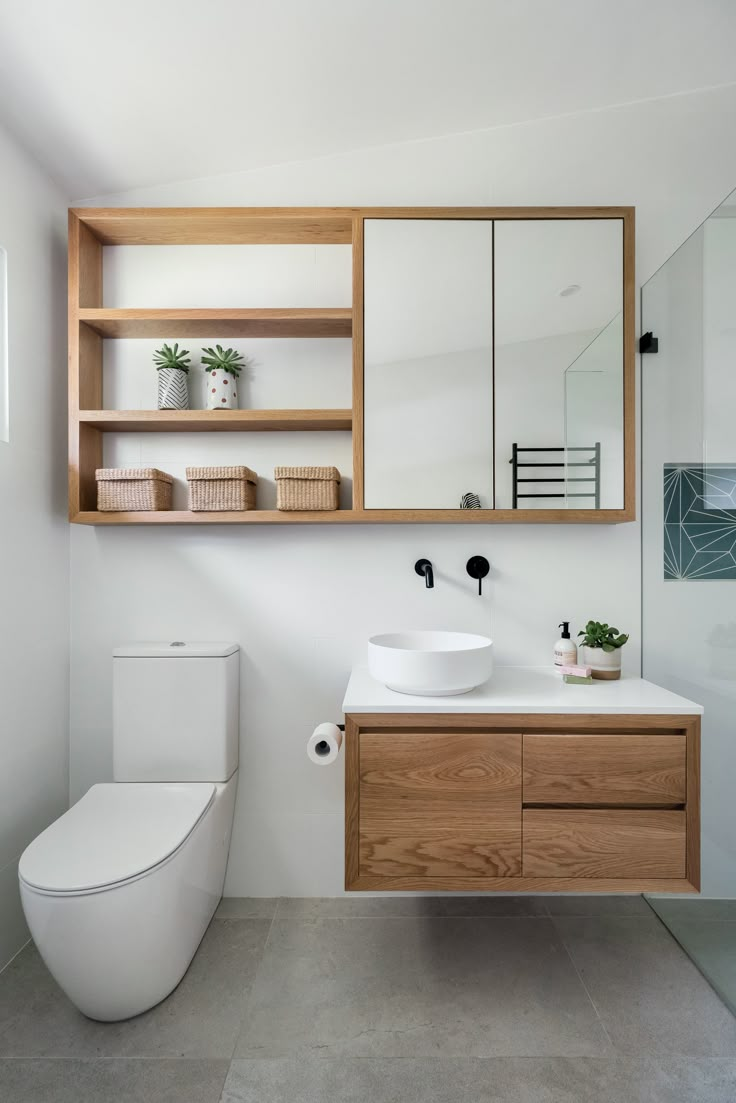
x=624, y=769
x=440, y=804
x=603, y=843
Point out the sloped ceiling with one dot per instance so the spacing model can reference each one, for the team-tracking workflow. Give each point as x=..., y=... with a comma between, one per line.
x=110, y=96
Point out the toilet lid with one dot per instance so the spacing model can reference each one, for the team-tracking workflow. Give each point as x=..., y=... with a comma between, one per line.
x=115, y=832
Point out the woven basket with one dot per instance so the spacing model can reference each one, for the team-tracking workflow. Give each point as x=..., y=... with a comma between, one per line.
x=307, y=487
x=133, y=488
x=221, y=488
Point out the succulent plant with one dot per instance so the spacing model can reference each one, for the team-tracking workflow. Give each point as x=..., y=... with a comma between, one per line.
x=602, y=635
x=224, y=360
x=166, y=357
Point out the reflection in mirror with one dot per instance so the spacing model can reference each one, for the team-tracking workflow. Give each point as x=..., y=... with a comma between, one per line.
x=559, y=364
x=428, y=376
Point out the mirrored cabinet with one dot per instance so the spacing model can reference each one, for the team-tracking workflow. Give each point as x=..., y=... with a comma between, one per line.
x=492, y=354
x=497, y=364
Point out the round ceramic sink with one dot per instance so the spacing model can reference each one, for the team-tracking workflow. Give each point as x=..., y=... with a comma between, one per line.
x=430, y=664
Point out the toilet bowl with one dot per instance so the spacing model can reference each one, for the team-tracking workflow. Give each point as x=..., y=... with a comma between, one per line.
x=119, y=891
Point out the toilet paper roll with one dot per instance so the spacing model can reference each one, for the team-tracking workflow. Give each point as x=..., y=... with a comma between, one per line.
x=324, y=744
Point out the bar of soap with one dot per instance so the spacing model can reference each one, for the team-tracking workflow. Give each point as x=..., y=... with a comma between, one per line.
x=578, y=671
x=576, y=680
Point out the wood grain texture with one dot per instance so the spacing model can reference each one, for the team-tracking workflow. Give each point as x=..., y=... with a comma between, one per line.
x=251, y=322
x=620, y=886
x=218, y=225
x=692, y=809
x=585, y=843
x=629, y=338
x=352, y=803
x=578, y=850
x=440, y=804
x=214, y=421
x=84, y=366
x=417, y=781
x=480, y=853
x=89, y=228
x=633, y=769
x=358, y=369
x=533, y=722
x=367, y=517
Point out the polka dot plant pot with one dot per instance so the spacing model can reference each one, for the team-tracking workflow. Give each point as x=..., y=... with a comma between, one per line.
x=222, y=390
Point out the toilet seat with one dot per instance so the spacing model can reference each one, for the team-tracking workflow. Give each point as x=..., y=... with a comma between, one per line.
x=116, y=833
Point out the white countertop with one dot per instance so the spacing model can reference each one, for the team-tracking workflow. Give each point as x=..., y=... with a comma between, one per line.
x=522, y=689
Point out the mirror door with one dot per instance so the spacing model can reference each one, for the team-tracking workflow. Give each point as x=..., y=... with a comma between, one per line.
x=495, y=364
x=428, y=356
x=559, y=363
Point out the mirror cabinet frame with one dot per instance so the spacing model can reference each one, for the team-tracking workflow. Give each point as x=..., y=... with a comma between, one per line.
x=90, y=322
x=495, y=516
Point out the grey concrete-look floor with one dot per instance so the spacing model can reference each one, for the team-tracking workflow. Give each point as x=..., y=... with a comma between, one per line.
x=371, y=1000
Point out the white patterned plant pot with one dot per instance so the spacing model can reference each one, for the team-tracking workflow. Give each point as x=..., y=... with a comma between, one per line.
x=173, y=392
x=605, y=665
x=222, y=390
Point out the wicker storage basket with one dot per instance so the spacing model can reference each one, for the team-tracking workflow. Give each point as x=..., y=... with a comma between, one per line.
x=221, y=488
x=133, y=488
x=307, y=487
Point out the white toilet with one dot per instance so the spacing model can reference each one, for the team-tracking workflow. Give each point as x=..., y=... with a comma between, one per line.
x=119, y=891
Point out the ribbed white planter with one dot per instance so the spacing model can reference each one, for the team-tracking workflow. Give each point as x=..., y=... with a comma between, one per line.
x=222, y=390
x=173, y=392
x=605, y=665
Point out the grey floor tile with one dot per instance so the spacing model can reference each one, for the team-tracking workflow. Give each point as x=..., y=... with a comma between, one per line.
x=651, y=998
x=490, y=1080
x=712, y=946
x=246, y=907
x=361, y=906
x=403, y=987
x=111, y=1081
x=693, y=908
x=597, y=905
x=201, y=1018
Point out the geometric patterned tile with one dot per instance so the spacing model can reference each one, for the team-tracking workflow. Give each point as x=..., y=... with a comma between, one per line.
x=699, y=521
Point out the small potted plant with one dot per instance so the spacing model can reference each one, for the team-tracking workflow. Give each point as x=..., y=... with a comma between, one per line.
x=223, y=367
x=601, y=649
x=172, y=366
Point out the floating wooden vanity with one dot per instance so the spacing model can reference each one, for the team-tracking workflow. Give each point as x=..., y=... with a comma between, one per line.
x=525, y=785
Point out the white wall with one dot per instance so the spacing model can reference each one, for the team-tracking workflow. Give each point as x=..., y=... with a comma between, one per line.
x=34, y=536
x=301, y=601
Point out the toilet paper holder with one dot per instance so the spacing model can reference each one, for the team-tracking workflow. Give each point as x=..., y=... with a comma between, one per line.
x=323, y=745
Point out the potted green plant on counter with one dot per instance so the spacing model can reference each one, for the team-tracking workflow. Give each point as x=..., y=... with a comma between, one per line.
x=172, y=367
x=223, y=367
x=600, y=649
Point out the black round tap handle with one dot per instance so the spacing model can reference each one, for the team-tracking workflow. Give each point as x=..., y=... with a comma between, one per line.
x=478, y=567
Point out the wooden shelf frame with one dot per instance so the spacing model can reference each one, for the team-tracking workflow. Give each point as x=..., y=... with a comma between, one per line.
x=252, y=322
x=216, y=421
x=90, y=323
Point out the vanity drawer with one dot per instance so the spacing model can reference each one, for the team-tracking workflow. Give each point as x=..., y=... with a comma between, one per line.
x=620, y=769
x=598, y=842
x=439, y=804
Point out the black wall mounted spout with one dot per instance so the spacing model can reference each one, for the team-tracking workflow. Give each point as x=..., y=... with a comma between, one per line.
x=424, y=567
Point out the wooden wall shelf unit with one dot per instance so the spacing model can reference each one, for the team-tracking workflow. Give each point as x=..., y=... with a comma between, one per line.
x=90, y=322
x=522, y=803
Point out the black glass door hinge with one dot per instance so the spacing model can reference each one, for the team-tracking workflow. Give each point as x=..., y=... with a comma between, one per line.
x=648, y=342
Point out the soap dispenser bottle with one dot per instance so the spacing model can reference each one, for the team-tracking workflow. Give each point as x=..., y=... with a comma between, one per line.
x=566, y=653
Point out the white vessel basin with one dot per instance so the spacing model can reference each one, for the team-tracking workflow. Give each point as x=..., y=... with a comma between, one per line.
x=430, y=664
